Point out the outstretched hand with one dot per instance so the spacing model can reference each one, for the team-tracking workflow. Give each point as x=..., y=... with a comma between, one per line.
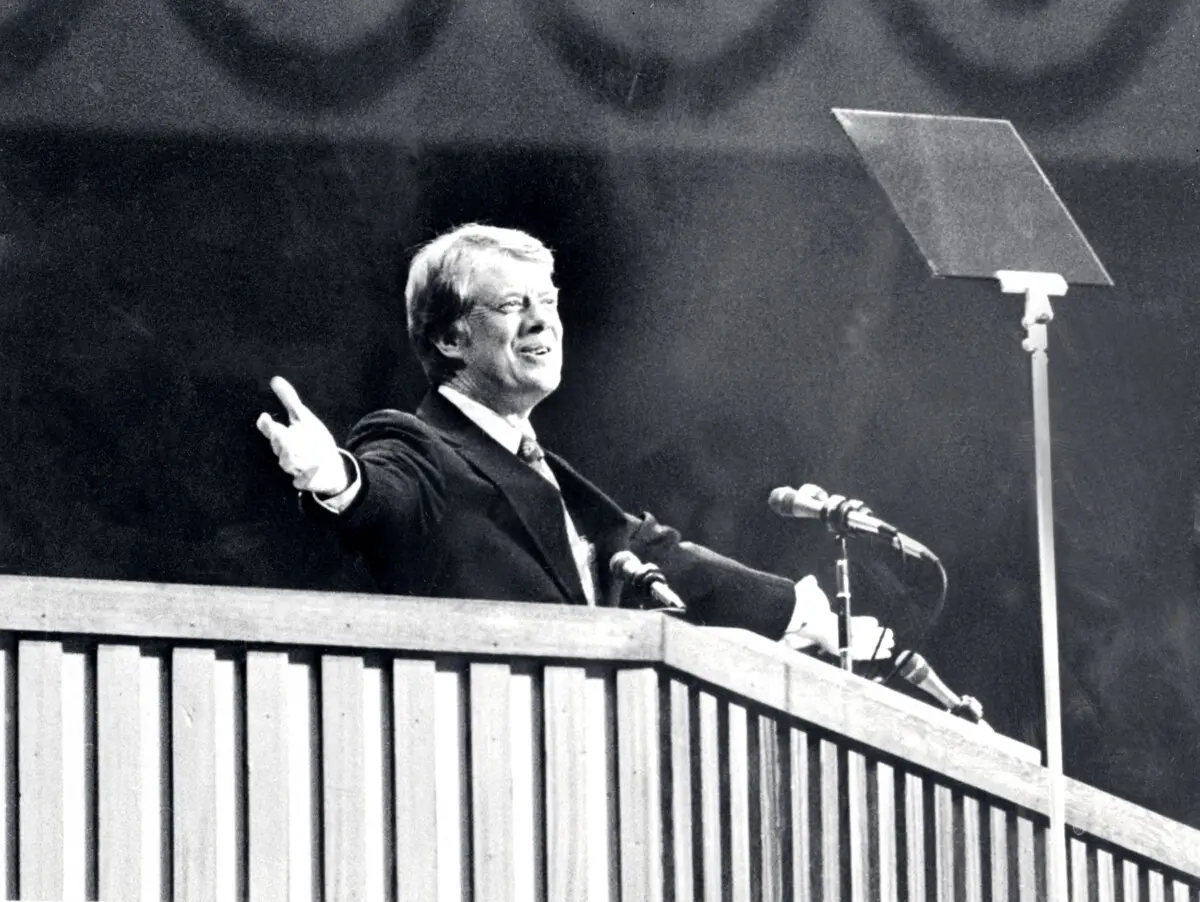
x=816, y=624
x=306, y=449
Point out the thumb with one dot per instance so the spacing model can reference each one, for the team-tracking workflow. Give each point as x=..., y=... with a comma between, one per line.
x=288, y=398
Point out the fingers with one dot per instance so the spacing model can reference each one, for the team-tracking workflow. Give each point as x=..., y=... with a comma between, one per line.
x=872, y=642
x=302, y=477
x=812, y=605
x=797, y=642
x=869, y=640
x=887, y=646
x=288, y=398
x=273, y=431
x=266, y=425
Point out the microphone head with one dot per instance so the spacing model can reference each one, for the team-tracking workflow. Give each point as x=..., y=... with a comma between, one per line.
x=623, y=563
x=806, y=501
x=910, y=666
x=780, y=501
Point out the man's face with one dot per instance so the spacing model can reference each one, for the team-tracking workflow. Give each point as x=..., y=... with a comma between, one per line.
x=511, y=346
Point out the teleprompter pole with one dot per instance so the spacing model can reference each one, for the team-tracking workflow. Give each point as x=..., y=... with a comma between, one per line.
x=1038, y=288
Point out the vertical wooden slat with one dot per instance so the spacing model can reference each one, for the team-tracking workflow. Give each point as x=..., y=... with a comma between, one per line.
x=1080, y=890
x=343, y=782
x=525, y=746
x=711, y=809
x=78, y=774
x=1130, y=882
x=739, y=805
x=40, y=768
x=118, y=732
x=193, y=774
x=972, y=863
x=914, y=835
x=944, y=833
x=378, y=817
x=1027, y=888
x=681, y=791
x=229, y=746
x=305, y=866
x=798, y=767
x=772, y=824
x=1180, y=891
x=1105, y=887
x=452, y=784
x=831, y=823
x=887, y=883
x=8, y=767
x=639, y=783
x=413, y=718
x=156, y=789
x=491, y=782
x=1154, y=887
x=566, y=768
x=860, y=826
x=267, y=775
x=604, y=878
x=998, y=847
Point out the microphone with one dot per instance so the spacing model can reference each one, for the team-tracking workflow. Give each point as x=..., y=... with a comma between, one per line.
x=648, y=578
x=841, y=515
x=915, y=671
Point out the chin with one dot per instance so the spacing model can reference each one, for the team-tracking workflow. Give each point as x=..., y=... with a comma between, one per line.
x=546, y=384
x=549, y=386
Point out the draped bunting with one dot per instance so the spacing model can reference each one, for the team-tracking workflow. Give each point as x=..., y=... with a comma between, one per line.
x=659, y=70
x=34, y=32
x=1039, y=61
x=306, y=77
x=983, y=58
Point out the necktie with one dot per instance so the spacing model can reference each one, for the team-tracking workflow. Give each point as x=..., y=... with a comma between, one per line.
x=583, y=551
x=531, y=453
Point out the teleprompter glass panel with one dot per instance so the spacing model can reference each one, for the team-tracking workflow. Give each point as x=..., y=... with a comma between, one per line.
x=971, y=195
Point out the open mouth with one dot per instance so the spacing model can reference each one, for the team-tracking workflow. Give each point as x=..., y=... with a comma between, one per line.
x=539, y=351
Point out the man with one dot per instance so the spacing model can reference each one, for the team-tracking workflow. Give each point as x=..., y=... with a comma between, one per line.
x=460, y=501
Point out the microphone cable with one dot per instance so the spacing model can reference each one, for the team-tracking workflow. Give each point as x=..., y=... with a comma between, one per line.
x=938, y=608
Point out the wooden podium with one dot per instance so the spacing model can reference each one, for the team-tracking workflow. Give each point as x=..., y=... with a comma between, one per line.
x=196, y=743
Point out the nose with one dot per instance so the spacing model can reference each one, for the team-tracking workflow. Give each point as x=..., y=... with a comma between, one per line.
x=539, y=316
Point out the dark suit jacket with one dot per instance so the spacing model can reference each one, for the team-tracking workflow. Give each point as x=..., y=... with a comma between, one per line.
x=445, y=510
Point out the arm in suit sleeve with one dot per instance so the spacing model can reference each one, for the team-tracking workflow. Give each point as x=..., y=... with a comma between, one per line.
x=402, y=492
x=718, y=590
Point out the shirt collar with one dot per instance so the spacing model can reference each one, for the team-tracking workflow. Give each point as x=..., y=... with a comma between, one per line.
x=504, y=432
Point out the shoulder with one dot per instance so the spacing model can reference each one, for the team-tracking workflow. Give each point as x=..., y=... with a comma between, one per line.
x=390, y=426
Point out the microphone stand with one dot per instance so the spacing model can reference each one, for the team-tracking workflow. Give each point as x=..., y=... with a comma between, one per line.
x=836, y=518
x=843, y=603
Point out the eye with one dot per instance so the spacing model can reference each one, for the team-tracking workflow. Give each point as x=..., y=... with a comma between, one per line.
x=511, y=305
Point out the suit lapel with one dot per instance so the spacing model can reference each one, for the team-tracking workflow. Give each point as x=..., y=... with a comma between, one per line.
x=536, y=503
x=602, y=520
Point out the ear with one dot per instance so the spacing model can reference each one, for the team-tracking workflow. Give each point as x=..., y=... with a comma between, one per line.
x=454, y=341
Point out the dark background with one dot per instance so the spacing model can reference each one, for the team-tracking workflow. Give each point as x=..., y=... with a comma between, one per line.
x=743, y=311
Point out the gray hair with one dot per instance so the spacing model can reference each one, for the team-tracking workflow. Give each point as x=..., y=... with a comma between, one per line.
x=438, y=293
